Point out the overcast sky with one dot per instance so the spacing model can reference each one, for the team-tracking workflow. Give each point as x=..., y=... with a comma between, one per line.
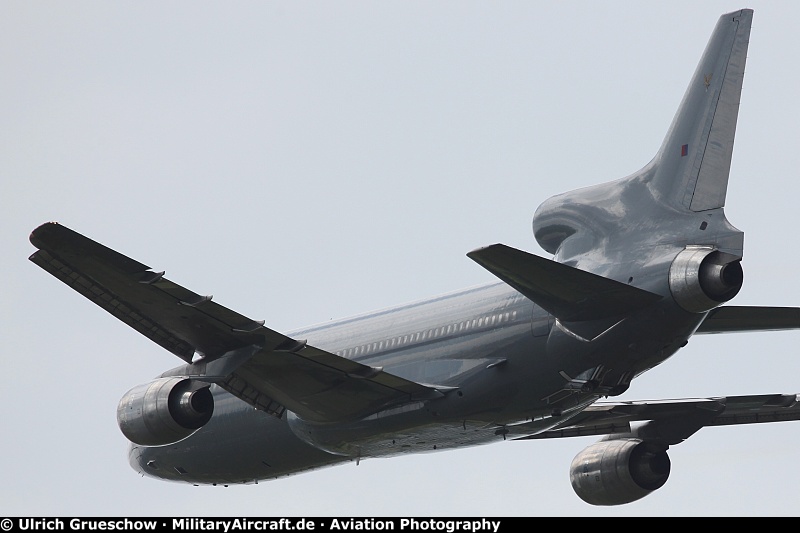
x=303, y=161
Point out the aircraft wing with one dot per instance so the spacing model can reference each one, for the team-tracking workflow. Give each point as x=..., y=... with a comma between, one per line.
x=265, y=368
x=672, y=421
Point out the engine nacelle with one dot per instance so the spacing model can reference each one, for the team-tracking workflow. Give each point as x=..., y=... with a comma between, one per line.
x=164, y=411
x=701, y=278
x=613, y=472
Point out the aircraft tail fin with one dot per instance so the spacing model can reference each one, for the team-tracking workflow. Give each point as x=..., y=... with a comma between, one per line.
x=694, y=160
x=568, y=293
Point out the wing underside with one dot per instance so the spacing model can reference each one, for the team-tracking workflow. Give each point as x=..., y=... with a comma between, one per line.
x=263, y=367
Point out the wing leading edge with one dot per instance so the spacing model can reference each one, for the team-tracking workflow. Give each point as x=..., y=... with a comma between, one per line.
x=263, y=367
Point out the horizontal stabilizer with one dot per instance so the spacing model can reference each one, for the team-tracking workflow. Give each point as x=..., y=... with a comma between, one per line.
x=732, y=319
x=568, y=293
x=672, y=421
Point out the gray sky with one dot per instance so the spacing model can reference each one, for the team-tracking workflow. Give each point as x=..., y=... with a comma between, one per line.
x=303, y=161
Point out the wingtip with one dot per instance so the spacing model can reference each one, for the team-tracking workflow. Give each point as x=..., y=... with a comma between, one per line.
x=477, y=251
x=41, y=231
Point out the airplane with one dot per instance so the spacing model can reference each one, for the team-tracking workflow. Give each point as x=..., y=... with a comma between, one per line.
x=638, y=266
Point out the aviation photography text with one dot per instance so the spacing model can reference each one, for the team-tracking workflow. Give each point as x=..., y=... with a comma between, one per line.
x=226, y=525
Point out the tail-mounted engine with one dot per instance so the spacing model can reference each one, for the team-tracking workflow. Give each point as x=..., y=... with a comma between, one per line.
x=164, y=411
x=701, y=278
x=613, y=472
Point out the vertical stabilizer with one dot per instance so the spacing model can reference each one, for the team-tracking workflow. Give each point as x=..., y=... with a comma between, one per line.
x=694, y=161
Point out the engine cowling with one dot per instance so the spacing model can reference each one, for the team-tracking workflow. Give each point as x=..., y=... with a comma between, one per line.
x=619, y=471
x=164, y=411
x=701, y=278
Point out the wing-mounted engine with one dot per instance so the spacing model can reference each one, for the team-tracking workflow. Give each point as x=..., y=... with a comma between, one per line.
x=164, y=411
x=614, y=472
x=701, y=278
